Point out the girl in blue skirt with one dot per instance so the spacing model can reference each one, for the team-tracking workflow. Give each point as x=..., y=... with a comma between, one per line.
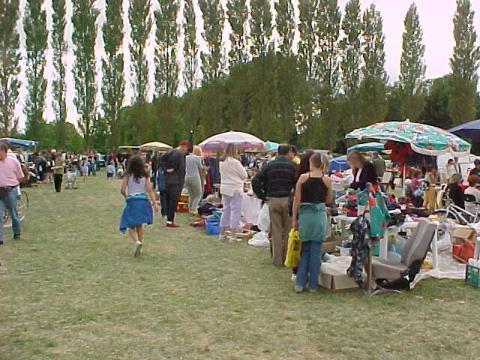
x=139, y=201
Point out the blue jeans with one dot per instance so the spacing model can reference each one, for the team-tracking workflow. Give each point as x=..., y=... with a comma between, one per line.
x=309, y=266
x=10, y=203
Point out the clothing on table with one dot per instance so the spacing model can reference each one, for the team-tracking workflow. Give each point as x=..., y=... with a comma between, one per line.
x=9, y=202
x=379, y=215
x=10, y=172
x=137, y=211
x=232, y=211
x=280, y=221
x=276, y=179
x=364, y=176
x=455, y=193
x=232, y=176
x=360, y=246
x=194, y=188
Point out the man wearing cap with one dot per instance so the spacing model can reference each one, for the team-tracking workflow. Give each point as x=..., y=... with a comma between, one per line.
x=11, y=175
x=173, y=166
x=476, y=169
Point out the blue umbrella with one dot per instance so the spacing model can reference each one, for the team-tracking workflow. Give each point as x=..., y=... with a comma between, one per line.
x=20, y=142
x=469, y=130
x=371, y=146
x=271, y=146
x=339, y=164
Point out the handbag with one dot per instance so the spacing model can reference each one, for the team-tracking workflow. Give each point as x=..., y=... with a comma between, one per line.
x=294, y=250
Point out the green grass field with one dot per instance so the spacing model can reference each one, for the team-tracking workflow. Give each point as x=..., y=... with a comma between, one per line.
x=71, y=289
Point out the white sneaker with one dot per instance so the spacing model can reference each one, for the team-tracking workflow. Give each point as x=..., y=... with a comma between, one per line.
x=138, y=249
x=294, y=277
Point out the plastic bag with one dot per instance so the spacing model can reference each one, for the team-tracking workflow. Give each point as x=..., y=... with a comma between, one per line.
x=263, y=221
x=260, y=239
x=294, y=250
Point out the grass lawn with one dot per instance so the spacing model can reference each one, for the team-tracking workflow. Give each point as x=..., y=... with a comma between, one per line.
x=71, y=289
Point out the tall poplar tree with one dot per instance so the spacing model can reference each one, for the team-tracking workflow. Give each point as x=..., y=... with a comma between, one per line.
x=412, y=67
x=237, y=17
x=84, y=35
x=141, y=24
x=328, y=68
x=59, y=88
x=285, y=25
x=113, y=82
x=214, y=21
x=464, y=64
x=9, y=65
x=191, y=49
x=167, y=67
x=261, y=27
x=308, y=41
x=36, y=44
x=351, y=58
x=373, y=105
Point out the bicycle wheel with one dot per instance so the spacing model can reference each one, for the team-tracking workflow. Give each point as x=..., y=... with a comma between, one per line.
x=22, y=209
x=22, y=206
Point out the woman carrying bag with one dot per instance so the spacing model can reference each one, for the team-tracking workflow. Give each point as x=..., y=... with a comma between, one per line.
x=312, y=192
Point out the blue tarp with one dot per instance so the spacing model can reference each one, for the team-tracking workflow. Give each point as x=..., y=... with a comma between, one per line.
x=339, y=164
x=271, y=146
x=469, y=130
x=20, y=142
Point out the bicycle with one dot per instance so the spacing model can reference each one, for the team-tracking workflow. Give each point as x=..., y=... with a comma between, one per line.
x=22, y=209
x=462, y=216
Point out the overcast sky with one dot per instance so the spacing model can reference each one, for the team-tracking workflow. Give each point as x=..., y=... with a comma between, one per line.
x=436, y=17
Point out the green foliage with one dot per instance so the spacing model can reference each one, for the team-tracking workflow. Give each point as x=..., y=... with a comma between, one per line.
x=285, y=25
x=167, y=67
x=261, y=27
x=141, y=24
x=412, y=67
x=9, y=65
x=351, y=52
x=464, y=64
x=214, y=21
x=435, y=111
x=307, y=29
x=191, y=49
x=113, y=82
x=84, y=34
x=372, y=95
x=36, y=43
x=59, y=86
x=237, y=16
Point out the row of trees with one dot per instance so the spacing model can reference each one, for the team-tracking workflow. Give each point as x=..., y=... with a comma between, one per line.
x=311, y=91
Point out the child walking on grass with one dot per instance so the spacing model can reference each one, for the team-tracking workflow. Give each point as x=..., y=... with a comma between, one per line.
x=139, y=201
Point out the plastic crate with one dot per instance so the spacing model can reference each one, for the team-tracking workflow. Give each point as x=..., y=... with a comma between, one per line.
x=212, y=227
x=472, y=276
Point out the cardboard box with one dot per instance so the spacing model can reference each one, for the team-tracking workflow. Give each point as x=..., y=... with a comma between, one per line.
x=330, y=244
x=333, y=275
x=463, y=243
x=460, y=234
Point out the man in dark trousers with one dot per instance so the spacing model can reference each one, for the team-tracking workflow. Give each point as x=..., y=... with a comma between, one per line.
x=274, y=184
x=173, y=164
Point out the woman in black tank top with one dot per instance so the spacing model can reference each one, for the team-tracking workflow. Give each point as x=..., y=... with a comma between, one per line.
x=314, y=190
